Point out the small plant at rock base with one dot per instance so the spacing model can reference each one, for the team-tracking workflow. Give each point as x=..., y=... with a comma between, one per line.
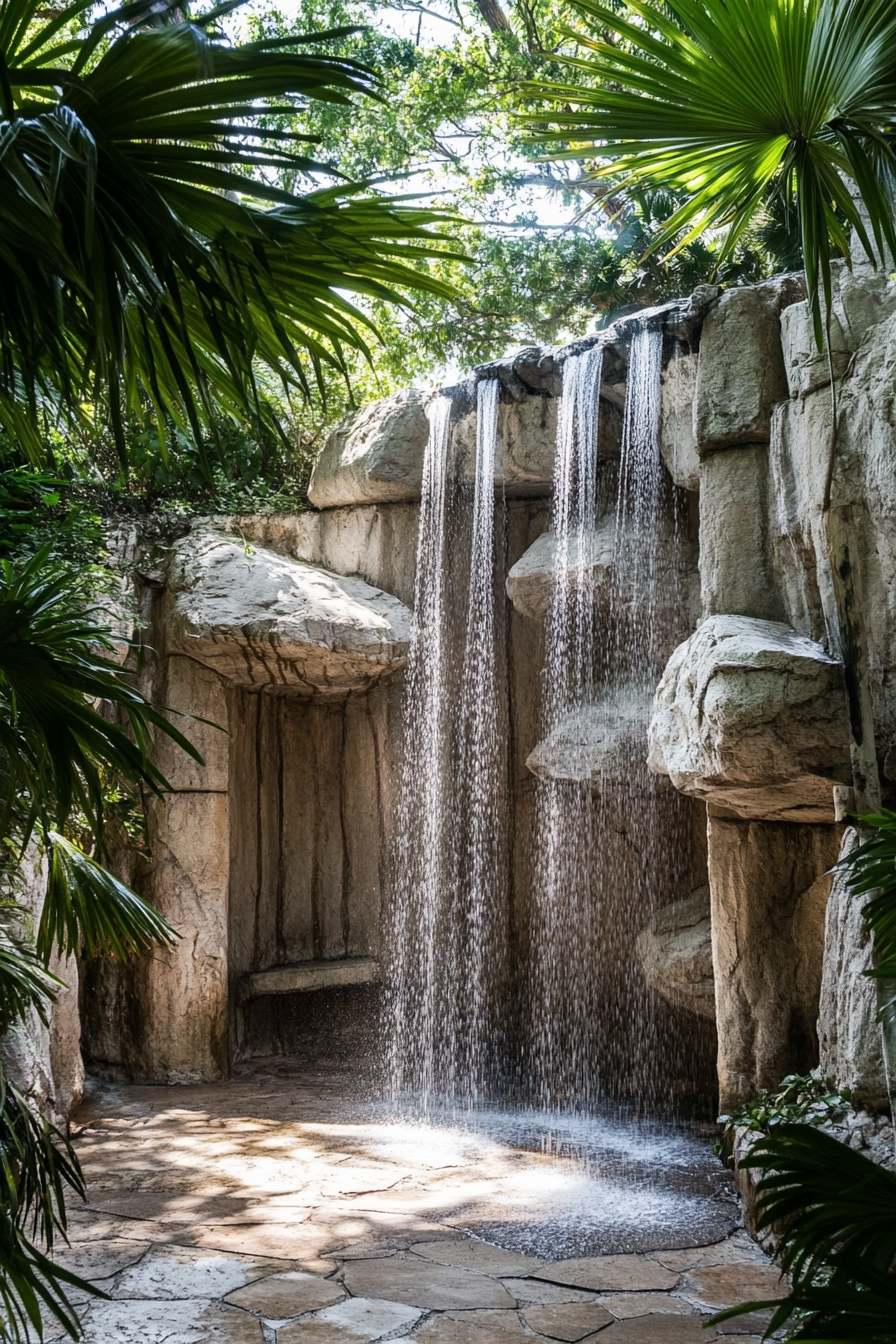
x=808, y=1098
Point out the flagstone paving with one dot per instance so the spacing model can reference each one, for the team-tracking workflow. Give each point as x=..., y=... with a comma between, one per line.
x=238, y=1216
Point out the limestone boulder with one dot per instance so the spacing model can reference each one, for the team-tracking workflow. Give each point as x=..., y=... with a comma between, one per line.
x=734, y=524
x=43, y=1059
x=264, y=621
x=848, y=1033
x=527, y=442
x=529, y=580
x=751, y=716
x=600, y=743
x=741, y=371
x=677, y=443
x=614, y=572
x=375, y=455
x=374, y=542
x=861, y=300
x=675, y=952
x=769, y=887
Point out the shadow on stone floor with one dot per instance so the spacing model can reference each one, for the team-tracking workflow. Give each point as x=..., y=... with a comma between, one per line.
x=278, y=1208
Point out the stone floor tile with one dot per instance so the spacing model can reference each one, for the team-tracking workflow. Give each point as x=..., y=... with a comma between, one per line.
x=493, y=1317
x=719, y=1286
x=271, y=1241
x=447, y=1330
x=421, y=1284
x=537, y=1293
x=739, y=1248
x=280, y=1296
x=656, y=1329
x=346, y=1179
x=752, y=1322
x=184, y=1272
x=477, y=1255
x=184, y=1322
x=610, y=1273
x=569, y=1321
x=100, y=1260
x=369, y=1318
x=625, y=1305
x=309, y=1330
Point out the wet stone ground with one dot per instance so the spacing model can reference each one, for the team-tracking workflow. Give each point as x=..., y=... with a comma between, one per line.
x=275, y=1209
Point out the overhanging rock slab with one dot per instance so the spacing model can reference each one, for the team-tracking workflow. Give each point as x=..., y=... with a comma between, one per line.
x=752, y=717
x=306, y=976
x=267, y=622
x=375, y=455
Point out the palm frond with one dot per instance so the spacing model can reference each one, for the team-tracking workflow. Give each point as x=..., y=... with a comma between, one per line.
x=146, y=256
x=835, y=1211
x=53, y=738
x=25, y=981
x=725, y=100
x=87, y=911
x=37, y=1165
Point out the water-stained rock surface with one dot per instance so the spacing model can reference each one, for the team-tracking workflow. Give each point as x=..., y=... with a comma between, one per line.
x=264, y=620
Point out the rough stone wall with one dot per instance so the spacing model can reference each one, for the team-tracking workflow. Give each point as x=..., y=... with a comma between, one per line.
x=276, y=852
x=44, y=1062
x=761, y=427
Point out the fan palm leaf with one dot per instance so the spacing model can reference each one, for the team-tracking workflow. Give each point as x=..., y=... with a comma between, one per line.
x=835, y=1211
x=146, y=254
x=37, y=1163
x=53, y=740
x=727, y=100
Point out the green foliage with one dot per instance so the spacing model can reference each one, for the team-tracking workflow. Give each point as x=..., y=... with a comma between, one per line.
x=871, y=870
x=53, y=740
x=835, y=1211
x=37, y=1163
x=727, y=100
x=88, y=911
x=800, y=1099
x=146, y=257
x=25, y=982
x=449, y=124
x=57, y=753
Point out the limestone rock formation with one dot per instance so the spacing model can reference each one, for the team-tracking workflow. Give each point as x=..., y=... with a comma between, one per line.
x=264, y=621
x=613, y=577
x=374, y=542
x=374, y=455
x=769, y=888
x=751, y=716
x=734, y=525
x=859, y=301
x=529, y=580
x=600, y=742
x=677, y=443
x=43, y=1060
x=675, y=952
x=849, y=1036
x=741, y=371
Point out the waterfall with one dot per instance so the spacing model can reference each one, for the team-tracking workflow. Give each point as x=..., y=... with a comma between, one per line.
x=481, y=792
x=562, y=808
x=612, y=842
x=448, y=919
x=414, y=984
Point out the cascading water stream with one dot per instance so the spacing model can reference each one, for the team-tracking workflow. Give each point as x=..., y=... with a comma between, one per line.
x=611, y=842
x=447, y=934
x=563, y=809
x=481, y=786
x=419, y=851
